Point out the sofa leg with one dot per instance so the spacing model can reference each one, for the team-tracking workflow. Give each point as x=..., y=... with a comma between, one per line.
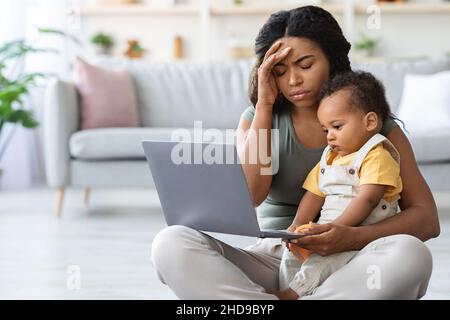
x=87, y=193
x=59, y=201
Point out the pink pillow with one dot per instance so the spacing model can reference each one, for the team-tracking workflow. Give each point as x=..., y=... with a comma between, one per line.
x=107, y=97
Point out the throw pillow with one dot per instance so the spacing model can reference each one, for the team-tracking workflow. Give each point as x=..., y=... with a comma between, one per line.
x=425, y=103
x=107, y=97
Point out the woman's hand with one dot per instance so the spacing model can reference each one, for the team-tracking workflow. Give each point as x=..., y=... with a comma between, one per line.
x=267, y=87
x=326, y=239
x=294, y=227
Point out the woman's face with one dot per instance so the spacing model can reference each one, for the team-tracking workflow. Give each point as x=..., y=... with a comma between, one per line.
x=302, y=73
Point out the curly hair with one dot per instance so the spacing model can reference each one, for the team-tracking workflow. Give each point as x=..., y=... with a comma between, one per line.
x=311, y=22
x=367, y=92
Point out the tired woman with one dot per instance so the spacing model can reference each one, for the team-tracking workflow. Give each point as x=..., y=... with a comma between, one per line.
x=297, y=52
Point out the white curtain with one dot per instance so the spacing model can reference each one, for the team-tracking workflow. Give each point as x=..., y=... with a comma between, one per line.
x=23, y=162
x=17, y=160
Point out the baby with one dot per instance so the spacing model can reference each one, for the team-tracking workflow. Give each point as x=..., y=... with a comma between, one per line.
x=356, y=182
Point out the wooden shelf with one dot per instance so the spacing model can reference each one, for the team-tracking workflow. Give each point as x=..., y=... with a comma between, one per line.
x=217, y=10
x=224, y=10
x=221, y=10
x=139, y=9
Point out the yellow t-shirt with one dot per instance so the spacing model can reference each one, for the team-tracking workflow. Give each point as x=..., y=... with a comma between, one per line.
x=377, y=168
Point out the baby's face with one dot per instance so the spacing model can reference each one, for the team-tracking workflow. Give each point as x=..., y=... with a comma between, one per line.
x=344, y=125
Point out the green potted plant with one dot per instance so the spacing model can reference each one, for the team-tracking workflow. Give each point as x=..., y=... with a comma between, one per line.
x=365, y=45
x=103, y=43
x=15, y=87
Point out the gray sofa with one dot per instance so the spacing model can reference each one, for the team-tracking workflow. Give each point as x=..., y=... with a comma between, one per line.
x=169, y=96
x=172, y=96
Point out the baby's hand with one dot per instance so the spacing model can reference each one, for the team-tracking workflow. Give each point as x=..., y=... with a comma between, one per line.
x=293, y=228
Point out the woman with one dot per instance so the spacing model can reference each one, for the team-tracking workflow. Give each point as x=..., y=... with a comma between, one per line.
x=298, y=51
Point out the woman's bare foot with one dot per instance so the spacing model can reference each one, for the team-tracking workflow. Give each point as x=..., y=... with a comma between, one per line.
x=287, y=294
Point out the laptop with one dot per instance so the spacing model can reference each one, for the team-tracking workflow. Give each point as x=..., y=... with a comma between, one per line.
x=202, y=186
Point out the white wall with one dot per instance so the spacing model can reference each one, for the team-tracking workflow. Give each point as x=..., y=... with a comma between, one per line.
x=409, y=35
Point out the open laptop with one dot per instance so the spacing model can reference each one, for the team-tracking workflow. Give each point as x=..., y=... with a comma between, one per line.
x=198, y=190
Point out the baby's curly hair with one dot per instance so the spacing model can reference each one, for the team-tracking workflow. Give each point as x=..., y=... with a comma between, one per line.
x=367, y=92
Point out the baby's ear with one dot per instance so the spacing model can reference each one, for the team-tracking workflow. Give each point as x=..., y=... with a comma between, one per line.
x=371, y=121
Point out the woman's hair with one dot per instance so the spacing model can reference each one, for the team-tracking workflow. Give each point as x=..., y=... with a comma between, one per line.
x=366, y=92
x=311, y=22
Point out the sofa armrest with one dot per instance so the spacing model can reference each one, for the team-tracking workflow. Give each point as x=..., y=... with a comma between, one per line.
x=61, y=119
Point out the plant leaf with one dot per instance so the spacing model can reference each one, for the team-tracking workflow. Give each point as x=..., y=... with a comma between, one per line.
x=5, y=109
x=12, y=93
x=8, y=45
x=30, y=78
x=19, y=49
x=60, y=33
x=25, y=117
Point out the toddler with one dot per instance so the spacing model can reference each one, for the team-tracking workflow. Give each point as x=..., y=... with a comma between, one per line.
x=356, y=182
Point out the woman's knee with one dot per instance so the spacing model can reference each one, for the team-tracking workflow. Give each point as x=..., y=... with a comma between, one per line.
x=168, y=246
x=412, y=253
x=414, y=250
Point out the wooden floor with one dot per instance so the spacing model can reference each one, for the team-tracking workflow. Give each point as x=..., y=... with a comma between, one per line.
x=103, y=251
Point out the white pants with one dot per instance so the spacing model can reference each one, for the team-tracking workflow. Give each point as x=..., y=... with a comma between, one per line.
x=197, y=266
x=305, y=276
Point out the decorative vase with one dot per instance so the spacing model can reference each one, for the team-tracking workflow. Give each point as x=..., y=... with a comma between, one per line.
x=103, y=50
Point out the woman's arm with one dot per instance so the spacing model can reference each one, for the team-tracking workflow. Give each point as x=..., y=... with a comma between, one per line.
x=258, y=170
x=248, y=142
x=418, y=217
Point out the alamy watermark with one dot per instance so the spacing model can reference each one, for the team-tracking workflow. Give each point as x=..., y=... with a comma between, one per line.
x=374, y=19
x=261, y=147
x=73, y=281
x=374, y=280
x=74, y=18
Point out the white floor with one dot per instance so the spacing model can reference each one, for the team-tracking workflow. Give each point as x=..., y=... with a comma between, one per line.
x=103, y=251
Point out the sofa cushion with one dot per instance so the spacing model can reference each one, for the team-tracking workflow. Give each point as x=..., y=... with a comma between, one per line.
x=125, y=143
x=107, y=97
x=425, y=104
x=392, y=74
x=431, y=148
